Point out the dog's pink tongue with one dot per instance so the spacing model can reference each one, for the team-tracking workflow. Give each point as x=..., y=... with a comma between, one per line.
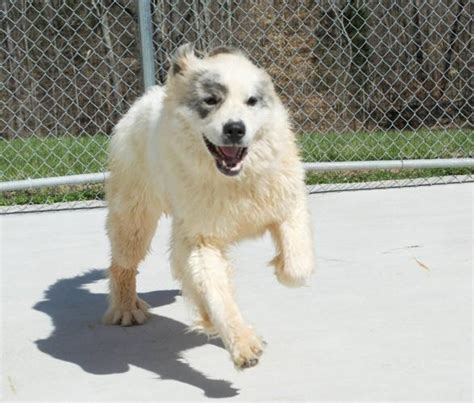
x=230, y=152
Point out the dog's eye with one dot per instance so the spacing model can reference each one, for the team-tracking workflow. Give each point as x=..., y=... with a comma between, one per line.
x=252, y=101
x=211, y=100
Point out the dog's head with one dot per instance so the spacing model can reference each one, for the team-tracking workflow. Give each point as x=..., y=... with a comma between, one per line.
x=225, y=99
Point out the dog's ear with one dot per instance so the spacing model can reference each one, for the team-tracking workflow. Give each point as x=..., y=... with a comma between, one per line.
x=225, y=50
x=182, y=59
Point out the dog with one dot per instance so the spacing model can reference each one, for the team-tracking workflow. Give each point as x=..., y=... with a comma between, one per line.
x=214, y=149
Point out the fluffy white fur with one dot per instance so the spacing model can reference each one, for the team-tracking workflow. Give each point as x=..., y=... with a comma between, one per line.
x=159, y=164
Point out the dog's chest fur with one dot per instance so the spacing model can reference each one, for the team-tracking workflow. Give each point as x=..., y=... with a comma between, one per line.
x=233, y=211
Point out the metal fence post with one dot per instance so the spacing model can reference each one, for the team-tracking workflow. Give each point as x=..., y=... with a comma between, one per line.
x=146, y=43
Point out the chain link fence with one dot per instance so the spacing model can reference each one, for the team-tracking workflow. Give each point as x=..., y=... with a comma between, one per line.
x=365, y=82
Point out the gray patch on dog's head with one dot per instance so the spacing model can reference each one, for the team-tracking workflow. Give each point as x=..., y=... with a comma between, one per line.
x=210, y=83
x=205, y=84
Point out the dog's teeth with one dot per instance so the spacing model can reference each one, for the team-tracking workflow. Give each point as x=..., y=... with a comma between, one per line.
x=237, y=167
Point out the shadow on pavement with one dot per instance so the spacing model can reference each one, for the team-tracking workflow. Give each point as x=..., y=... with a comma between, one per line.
x=80, y=338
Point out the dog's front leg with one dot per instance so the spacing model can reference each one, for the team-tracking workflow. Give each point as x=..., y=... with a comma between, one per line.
x=204, y=273
x=130, y=229
x=293, y=239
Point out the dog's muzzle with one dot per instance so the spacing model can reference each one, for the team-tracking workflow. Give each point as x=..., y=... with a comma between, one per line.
x=229, y=159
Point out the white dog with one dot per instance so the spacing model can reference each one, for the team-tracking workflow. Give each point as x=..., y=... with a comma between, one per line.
x=214, y=149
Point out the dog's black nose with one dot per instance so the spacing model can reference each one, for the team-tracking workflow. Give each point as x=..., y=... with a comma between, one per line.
x=234, y=131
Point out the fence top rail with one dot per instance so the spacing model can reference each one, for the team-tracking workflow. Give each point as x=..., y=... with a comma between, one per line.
x=309, y=166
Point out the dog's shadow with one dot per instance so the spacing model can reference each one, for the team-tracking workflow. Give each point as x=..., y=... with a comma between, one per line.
x=80, y=338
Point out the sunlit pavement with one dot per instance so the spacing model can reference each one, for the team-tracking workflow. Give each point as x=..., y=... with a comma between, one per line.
x=387, y=316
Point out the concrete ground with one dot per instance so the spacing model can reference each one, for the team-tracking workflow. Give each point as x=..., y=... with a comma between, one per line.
x=387, y=316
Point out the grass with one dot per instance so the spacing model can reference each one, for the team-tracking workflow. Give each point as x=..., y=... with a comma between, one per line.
x=43, y=157
x=388, y=145
x=372, y=176
x=35, y=157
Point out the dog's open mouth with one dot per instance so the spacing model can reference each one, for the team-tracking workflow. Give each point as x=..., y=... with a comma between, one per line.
x=229, y=159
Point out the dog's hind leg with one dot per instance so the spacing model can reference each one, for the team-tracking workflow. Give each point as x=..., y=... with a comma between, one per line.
x=204, y=272
x=131, y=223
x=293, y=239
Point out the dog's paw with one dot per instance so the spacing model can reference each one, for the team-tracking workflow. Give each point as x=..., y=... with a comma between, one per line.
x=117, y=315
x=292, y=279
x=246, y=349
x=293, y=272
